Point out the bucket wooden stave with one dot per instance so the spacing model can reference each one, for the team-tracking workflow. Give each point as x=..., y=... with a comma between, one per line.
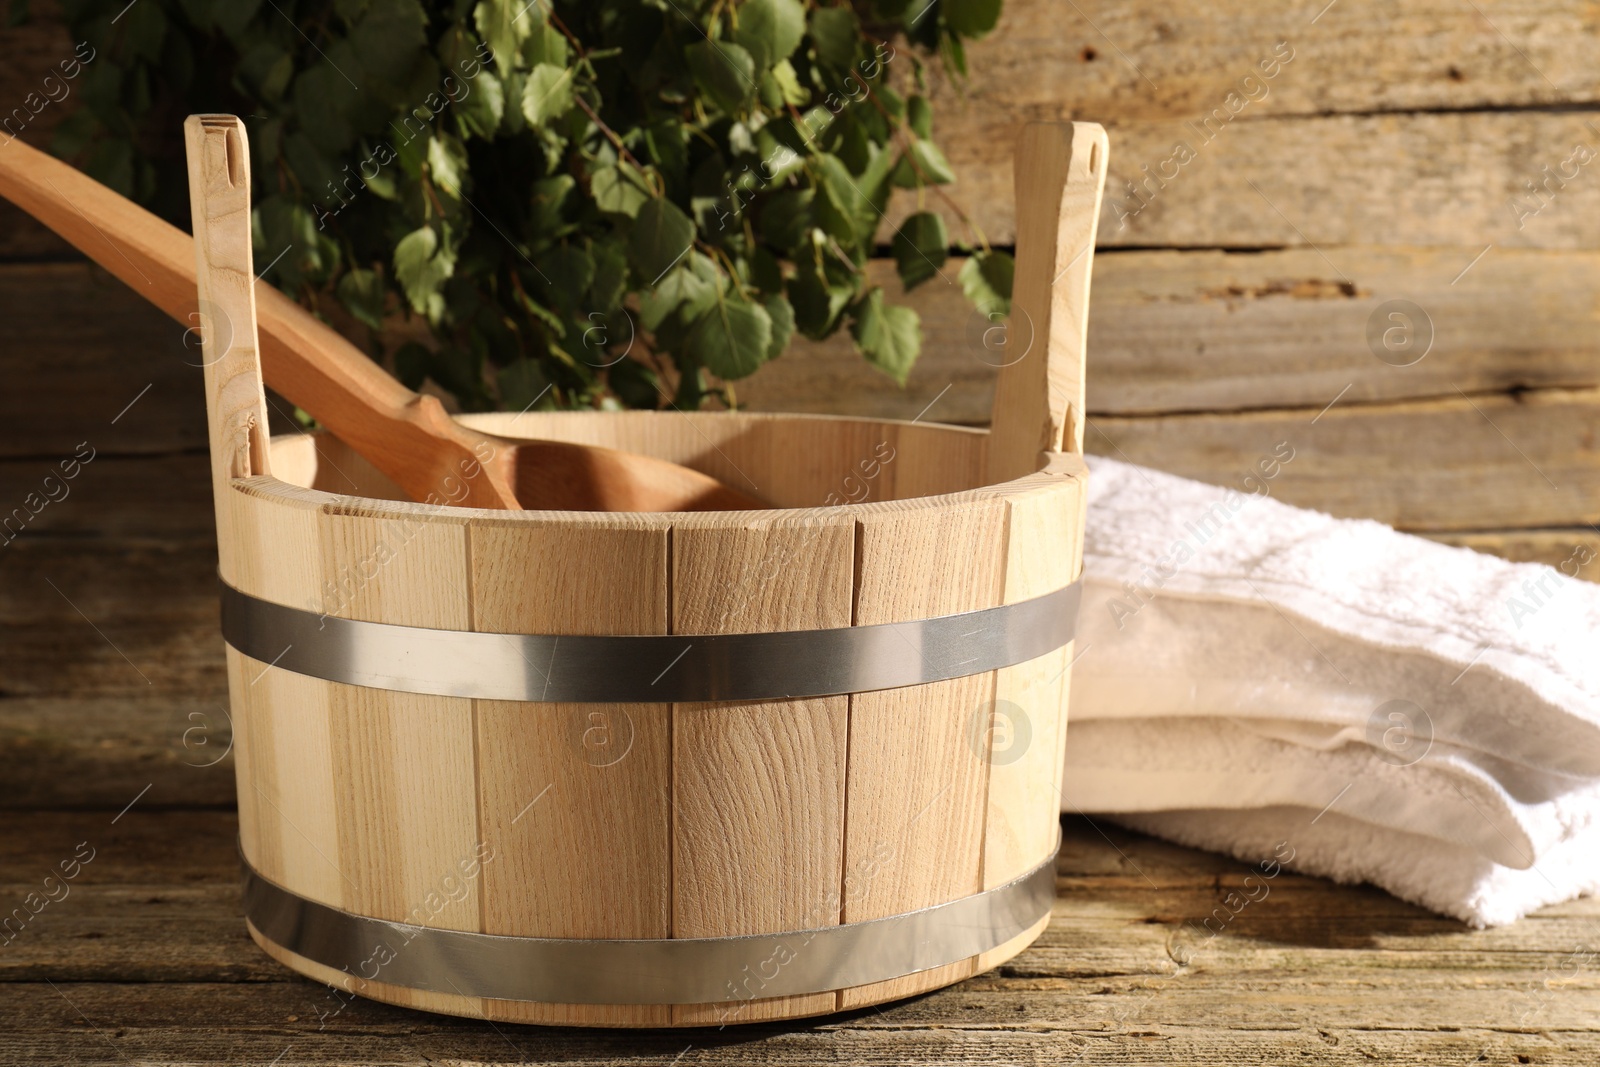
x=687, y=820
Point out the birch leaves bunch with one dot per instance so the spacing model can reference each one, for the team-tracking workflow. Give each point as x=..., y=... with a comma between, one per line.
x=588, y=202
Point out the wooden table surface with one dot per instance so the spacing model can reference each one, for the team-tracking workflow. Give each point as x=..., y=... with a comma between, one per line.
x=146, y=961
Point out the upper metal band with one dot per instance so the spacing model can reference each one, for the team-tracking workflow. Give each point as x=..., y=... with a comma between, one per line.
x=651, y=668
x=661, y=971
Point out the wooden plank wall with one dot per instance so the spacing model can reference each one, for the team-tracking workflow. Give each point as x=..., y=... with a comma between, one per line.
x=1231, y=313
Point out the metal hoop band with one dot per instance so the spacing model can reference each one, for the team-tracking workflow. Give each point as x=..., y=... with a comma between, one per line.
x=662, y=971
x=651, y=668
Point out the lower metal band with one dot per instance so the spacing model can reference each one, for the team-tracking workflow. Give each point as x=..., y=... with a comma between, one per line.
x=648, y=668
x=709, y=970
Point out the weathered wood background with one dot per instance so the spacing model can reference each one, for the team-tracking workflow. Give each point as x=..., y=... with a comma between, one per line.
x=1231, y=312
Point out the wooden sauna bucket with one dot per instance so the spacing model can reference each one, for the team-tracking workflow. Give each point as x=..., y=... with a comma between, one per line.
x=509, y=765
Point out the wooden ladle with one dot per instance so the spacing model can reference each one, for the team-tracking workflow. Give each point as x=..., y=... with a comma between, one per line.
x=406, y=435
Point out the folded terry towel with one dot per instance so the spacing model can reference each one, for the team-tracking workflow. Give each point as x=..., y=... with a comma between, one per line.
x=1422, y=717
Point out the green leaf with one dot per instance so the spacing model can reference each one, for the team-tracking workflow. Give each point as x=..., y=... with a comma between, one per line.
x=522, y=384
x=835, y=32
x=683, y=294
x=955, y=54
x=634, y=383
x=514, y=83
x=570, y=270
x=481, y=110
x=447, y=163
x=143, y=31
x=931, y=167
x=766, y=274
x=874, y=181
x=732, y=338
x=841, y=207
x=934, y=166
x=361, y=292
x=390, y=39
x=74, y=134
x=666, y=142
x=889, y=336
x=658, y=304
x=315, y=171
x=374, y=120
x=725, y=72
x=817, y=303
x=266, y=68
x=421, y=266
x=549, y=318
x=781, y=313
x=321, y=98
x=786, y=216
x=610, y=276
x=986, y=279
x=546, y=93
x=790, y=91
x=770, y=29
x=615, y=190
x=913, y=16
x=545, y=45
x=919, y=116
x=970, y=18
x=548, y=202
x=920, y=247
x=503, y=25
x=661, y=235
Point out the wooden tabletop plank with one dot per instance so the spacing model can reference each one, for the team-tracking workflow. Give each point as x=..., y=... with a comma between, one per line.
x=252, y=1025
x=148, y=946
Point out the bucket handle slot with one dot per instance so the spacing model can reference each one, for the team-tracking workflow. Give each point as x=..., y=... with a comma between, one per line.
x=219, y=205
x=1060, y=172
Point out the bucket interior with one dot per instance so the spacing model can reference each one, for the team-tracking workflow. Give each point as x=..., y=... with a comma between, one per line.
x=791, y=461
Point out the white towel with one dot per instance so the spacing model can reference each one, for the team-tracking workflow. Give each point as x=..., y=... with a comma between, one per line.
x=1422, y=717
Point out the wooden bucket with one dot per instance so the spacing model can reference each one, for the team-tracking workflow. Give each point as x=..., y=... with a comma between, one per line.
x=668, y=769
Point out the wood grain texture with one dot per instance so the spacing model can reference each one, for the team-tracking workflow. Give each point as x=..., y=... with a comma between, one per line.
x=1038, y=402
x=759, y=787
x=918, y=796
x=928, y=460
x=1451, y=464
x=1427, y=179
x=149, y=948
x=403, y=763
x=1026, y=734
x=1358, y=56
x=1191, y=331
x=82, y=371
x=575, y=799
x=283, y=729
x=236, y=405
